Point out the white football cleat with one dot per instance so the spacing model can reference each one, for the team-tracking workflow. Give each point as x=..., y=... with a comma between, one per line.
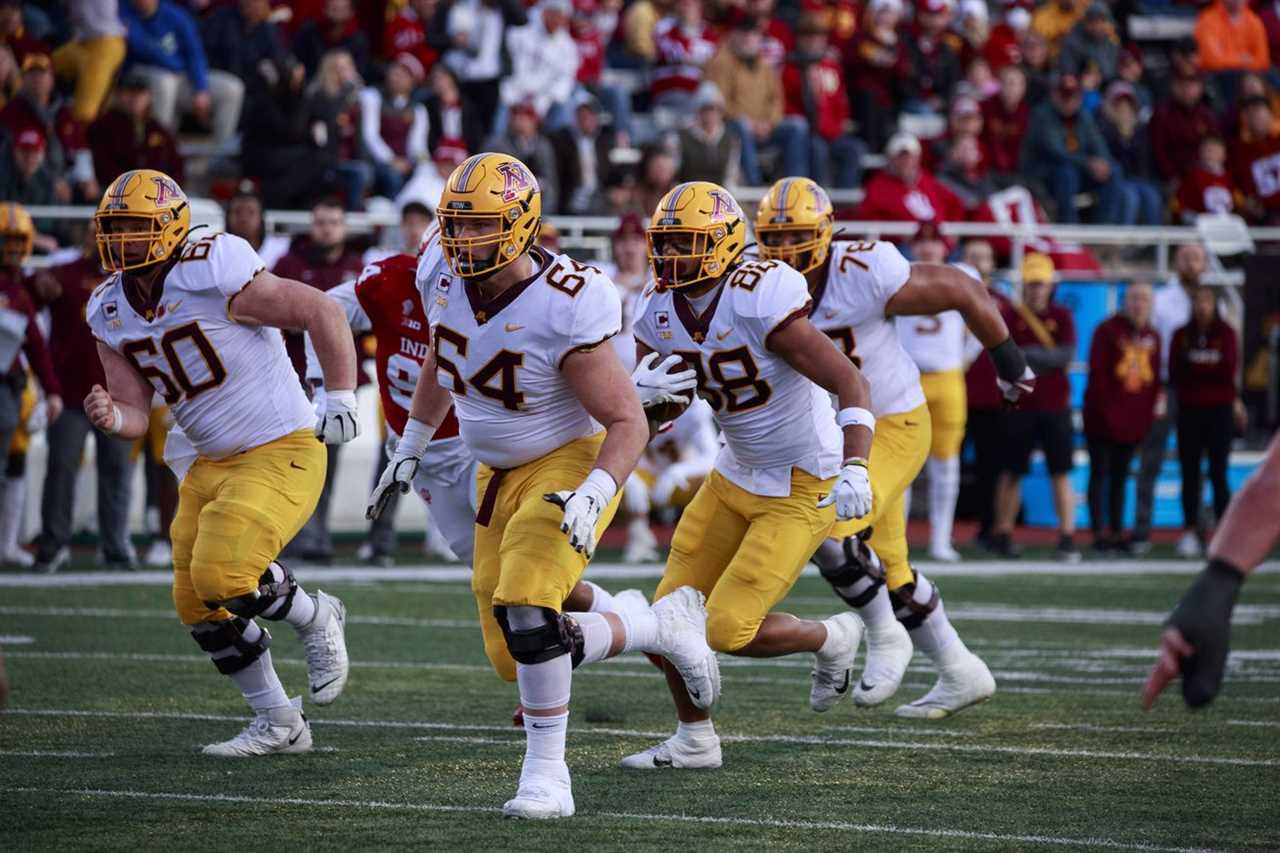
x=833, y=669
x=944, y=553
x=963, y=681
x=630, y=601
x=889, y=650
x=1189, y=546
x=280, y=730
x=160, y=553
x=642, y=545
x=544, y=792
x=682, y=639
x=20, y=557
x=678, y=753
x=325, y=642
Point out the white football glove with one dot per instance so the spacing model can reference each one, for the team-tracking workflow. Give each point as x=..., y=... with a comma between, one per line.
x=851, y=493
x=401, y=468
x=1013, y=392
x=582, y=508
x=338, y=421
x=658, y=385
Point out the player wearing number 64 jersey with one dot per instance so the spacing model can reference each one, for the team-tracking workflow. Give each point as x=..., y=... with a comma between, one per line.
x=790, y=466
x=198, y=325
x=517, y=336
x=857, y=289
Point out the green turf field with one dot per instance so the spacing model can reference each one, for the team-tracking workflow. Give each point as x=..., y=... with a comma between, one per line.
x=112, y=700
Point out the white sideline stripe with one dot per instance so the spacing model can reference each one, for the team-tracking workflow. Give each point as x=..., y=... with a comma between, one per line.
x=1094, y=727
x=763, y=823
x=46, y=753
x=16, y=640
x=486, y=740
x=438, y=572
x=813, y=740
x=1270, y=724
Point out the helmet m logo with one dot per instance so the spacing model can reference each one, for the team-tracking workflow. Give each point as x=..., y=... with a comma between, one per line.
x=167, y=191
x=515, y=180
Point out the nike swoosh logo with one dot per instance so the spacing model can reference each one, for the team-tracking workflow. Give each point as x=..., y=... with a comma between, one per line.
x=693, y=694
x=661, y=762
x=724, y=334
x=536, y=726
x=911, y=423
x=862, y=685
x=294, y=739
x=512, y=327
x=316, y=688
x=844, y=686
x=293, y=464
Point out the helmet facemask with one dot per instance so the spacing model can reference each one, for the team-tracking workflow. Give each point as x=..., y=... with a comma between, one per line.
x=802, y=247
x=122, y=248
x=694, y=264
x=464, y=253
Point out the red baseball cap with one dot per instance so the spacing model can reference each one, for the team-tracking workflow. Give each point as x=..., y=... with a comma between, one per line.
x=935, y=6
x=29, y=139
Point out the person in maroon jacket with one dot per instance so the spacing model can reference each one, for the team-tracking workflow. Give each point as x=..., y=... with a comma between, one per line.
x=1255, y=157
x=65, y=290
x=1203, y=357
x=1004, y=124
x=876, y=63
x=1119, y=406
x=127, y=137
x=1178, y=125
x=1047, y=334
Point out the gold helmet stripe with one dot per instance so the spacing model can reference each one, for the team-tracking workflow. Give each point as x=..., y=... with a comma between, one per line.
x=464, y=174
x=121, y=189
x=784, y=192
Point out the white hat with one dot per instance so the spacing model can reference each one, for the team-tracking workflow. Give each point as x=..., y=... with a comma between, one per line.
x=877, y=5
x=902, y=142
x=974, y=8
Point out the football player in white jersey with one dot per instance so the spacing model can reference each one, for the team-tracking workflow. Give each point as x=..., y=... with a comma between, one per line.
x=939, y=344
x=766, y=371
x=199, y=324
x=858, y=288
x=519, y=347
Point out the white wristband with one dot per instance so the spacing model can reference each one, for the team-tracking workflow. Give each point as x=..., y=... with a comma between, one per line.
x=117, y=421
x=600, y=482
x=414, y=441
x=855, y=416
x=346, y=398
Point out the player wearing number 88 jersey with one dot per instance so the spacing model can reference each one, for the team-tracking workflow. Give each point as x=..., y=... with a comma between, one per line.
x=199, y=325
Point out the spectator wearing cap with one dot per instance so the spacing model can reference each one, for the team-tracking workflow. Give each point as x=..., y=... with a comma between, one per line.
x=1129, y=144
x=814, y=91
x=127, y=136
x=1092, y=43
x=1064, y=151
x=1232, y=38
x=1255, y=159
x=1004, y=125
x=92, y=55
x=1203, y=359
x=336, y=28
x=582, y=159
x=752, y=90
x=1180, y=122
x=477, y=50
x=964, y=173
x=1207, y=187
x=27, y=180
x=905, y=192
x=709, y=150
x=684, y=43
x=975, y=31
x=418, y=28
x=1119, y=406
x=776, y=37
x=1054, y=20
x=876, y=58
x=164, y=45
x=1130, y=69
x=1004, y=45
x=332, y=113
x=1047, y=334
x=393, y=127
x=544, y=66
x=933, y=54
x=451, y=120
x=524, y=139
x=964, y=118
x=244, y=220
x=240, y=35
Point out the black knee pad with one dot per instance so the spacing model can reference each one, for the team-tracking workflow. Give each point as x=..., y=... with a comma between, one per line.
x=559, y=634
x=912, y=613
x=269, y=591
x=860, y=562
x=226, y=645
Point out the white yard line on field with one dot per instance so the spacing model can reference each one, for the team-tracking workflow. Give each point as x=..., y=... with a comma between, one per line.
x=16, y=640
x=46, y=753
x=758, y=823
x=811, y=740
x=1266, y=724
x=1094, y=727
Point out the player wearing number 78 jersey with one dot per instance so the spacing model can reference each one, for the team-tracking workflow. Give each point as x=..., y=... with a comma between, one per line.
x=857, y=288
x=198, y=325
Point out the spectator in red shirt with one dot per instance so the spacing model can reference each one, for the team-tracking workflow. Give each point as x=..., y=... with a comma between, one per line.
x=684, y=43
x=1119, y=406
x=814, y=90
x=776, y=38
x=126, y=136
x=1004, y=124
x=1004, y=45
x=1180, y=123
x=905, y=192
x=933, y=55
x=35, y=107
x=1203, y=358
x=877, y=59
x=1047, y=334
x=1255, y=159
x=415, y=30
x=1207, y=187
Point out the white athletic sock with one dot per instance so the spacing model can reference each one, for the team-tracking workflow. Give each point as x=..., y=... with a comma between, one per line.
x=597, y=636
x=641, y=628
x=878, y=611
x=906, y=505
x=935, y=633
x=258, y=681
x=944, y=490
x=12, y=506
x=303, y=609
x=601, y=599
x=544, y=737
x=695, y=731
x=544, y=686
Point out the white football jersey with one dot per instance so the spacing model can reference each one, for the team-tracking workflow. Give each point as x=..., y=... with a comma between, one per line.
x=230, y=386
x=935, y=343
x=850, y=308
x=502, y=359
x=773, y=418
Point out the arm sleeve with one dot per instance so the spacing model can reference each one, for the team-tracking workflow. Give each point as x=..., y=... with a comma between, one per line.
x=781, y=296
x=370, y=132
x=594, y=316
x=889, y=272
x=233, y=263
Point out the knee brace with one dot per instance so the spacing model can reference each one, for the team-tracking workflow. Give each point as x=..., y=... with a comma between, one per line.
x=558, y=634
x=226, y=644
x=856, y=574
x=277, y=584
x=913, y=602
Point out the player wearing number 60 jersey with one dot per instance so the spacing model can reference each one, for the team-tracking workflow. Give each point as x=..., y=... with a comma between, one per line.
x=743, y=329
x=198, y=325
x=857, y=289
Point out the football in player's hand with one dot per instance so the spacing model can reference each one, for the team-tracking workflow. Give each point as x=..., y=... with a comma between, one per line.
x=662, y=413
